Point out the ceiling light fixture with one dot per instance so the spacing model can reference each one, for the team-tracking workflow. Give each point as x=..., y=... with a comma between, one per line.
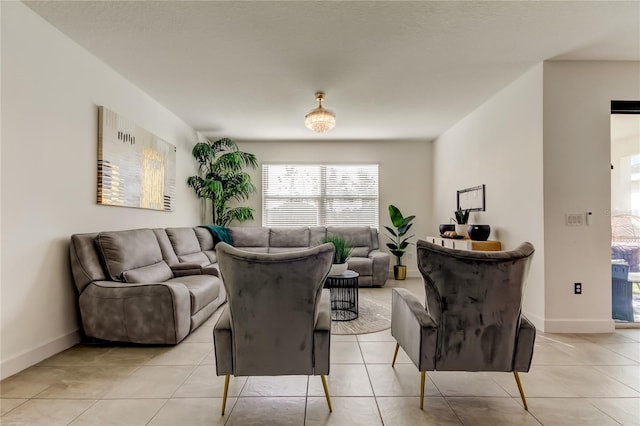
x=320, y=120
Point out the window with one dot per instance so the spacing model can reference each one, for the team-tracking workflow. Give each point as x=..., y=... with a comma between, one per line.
x=308, y=195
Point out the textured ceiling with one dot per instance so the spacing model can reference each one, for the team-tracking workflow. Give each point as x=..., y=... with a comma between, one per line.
x=390, y=69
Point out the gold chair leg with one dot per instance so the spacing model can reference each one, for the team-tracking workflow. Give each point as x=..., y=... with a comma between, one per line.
x=524, y=400
x=326, y=392
x=422, y=377
x=224, y=396
x=395, y=355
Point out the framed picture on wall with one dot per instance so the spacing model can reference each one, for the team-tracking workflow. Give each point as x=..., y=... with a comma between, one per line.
x=471, y=198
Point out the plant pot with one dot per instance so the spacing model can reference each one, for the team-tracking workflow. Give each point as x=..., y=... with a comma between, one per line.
x=399, y=272
x=479, y=232
x=338, y=269
x=462, y=230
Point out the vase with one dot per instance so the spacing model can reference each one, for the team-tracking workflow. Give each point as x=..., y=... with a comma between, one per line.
x=462, y=230
x=479, y=232
x=399, y=272
x=338, y=269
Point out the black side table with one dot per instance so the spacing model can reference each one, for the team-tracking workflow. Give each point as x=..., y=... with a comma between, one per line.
x=344, y=295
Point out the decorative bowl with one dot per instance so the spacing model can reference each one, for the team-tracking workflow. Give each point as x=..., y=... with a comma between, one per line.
x=479, y=232
x=447, y=227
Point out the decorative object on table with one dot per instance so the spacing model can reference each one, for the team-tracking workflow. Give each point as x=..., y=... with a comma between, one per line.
x=340, y=255
x=399, y=245
x=319, y=119
x=462, y=218
x=135, y=167
x=446, y=227
x=222, y=179
x=479, y=232
x=471, y=199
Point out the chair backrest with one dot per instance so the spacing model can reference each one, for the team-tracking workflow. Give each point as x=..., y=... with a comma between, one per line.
x=273, y=301
x=476, y=298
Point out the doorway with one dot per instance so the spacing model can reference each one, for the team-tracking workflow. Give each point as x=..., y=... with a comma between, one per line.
x=625, y=212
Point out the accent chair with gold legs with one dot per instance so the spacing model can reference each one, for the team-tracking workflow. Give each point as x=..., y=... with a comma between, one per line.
x=472, y=319
x=277, y=320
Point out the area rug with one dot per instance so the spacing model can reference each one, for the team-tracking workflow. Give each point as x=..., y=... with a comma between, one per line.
x=373, y=315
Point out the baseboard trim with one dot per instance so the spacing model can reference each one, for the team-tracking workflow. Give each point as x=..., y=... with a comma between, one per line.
x=26, y=359
x=586, y=325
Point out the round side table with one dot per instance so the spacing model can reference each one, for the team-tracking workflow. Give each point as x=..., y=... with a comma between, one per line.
x=344, y=295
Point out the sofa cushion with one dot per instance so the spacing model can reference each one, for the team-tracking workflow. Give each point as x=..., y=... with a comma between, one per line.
x=184, y=241
x=359, y=237
x=198, y=258
x=289, y=237
x=205, y=238
x=203, y=289
x=156, y=273
x=250, y=237
x=361, y=265
x=126, y=250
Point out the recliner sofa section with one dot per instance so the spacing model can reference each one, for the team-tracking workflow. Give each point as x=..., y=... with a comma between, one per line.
x=145, y=286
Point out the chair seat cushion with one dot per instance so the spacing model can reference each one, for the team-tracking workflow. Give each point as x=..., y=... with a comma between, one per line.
x=203, y=289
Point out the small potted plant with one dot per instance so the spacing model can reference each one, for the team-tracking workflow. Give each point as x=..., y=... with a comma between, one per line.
x=340, y=255
x=398, y=244
x=462, y=218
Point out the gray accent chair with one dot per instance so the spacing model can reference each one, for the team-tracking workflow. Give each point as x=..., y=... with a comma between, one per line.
x=472, y=320
x=278, y=317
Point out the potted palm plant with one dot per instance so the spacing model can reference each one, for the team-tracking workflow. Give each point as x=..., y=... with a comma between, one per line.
x=222, y=178
x=340, y=255
x=399, y=242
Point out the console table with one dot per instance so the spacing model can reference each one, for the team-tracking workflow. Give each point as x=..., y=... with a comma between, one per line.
x=344, y=295
x=466, y=244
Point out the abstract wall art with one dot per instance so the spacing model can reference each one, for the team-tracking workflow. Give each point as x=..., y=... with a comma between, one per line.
x=135, y=167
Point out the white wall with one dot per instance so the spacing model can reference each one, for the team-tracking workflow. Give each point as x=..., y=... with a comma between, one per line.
x=50, y=91
x=405, y=176
x=577, y=107
x=500, y=145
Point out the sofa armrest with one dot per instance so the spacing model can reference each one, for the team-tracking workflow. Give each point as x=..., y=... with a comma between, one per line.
x=150, y=313
x=524, y=345
x=322, y=334
x=415, y=330
x=380, y=267
x=184, y=269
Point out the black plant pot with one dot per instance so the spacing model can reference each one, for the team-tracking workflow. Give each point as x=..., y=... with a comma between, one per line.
x=479, y=232
x=447, y=227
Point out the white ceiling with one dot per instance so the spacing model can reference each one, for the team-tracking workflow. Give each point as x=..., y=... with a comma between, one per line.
x=390, y=69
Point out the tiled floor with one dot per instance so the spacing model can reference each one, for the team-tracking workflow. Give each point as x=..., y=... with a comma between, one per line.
x=574, y=380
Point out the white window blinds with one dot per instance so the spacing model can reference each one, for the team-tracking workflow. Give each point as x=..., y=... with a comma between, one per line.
x=309, y=195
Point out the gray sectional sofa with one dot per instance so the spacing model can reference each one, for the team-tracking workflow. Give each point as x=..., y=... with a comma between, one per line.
x=155, y=286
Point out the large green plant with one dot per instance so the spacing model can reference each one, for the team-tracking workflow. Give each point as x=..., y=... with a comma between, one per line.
x=398, y=244
x=222, y=179
x=342, y=248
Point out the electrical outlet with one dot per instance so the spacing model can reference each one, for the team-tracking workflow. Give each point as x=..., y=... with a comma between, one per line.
x=577, y=288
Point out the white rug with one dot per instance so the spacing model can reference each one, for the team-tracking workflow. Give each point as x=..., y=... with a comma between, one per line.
x=373, y=315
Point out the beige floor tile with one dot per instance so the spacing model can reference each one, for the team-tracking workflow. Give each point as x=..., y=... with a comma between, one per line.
x=588, y=382
x=343, y=338
x=203, y=334
x=631, y=333
x=183, y=354
x=30, y=382
x=567, y=338
x=345, y=353
x=129, y=355
x=625, y=411
x=403, y=380
x=150, y=382
x=275, y=386
x=568, y=412
x=627, y=374
x=601, y=338
x=628, y=350
x=380, y=336
x=551, y=354
x=491, y=411
x=593, y=354
x=346, y=411
x=130, y=412
x=405, y=411
x=47, y=412
x=87, y=382
x=192, y=412
x=267, y=411
x=204, y=383
x=343, y=380
x=210, y=358
x=78, y=355
x=538, y=382
x=456, y=383
x=7, y=405
x=382, y=353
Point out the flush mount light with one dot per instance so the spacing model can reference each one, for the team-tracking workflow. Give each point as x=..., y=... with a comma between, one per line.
x=320, y=120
